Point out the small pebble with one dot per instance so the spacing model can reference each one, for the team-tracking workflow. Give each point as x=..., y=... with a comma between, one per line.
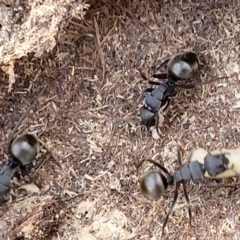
x=3, y=225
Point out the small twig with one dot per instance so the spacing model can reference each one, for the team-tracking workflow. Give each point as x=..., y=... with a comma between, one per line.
x=100, y=50
x=53, y=156
x=40, y=163
x=20, y=121
x=10, y=136
x=59, y=198
x=115, y=127
x=127, y=12
x=105, y=38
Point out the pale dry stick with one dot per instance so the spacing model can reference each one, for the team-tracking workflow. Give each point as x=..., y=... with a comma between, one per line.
x=126, y=193
x=71, y=198
x=81, y=25
x=98, y=108
x=89, y=26
x=39, y=164
x=105, y=38
x=131, y=15
x=53, y=197
x=114, y=128
x=53, y=156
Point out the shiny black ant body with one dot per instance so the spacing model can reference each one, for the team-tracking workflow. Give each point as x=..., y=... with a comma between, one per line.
x=180, y=67
x=153, y=184
x=23, y=150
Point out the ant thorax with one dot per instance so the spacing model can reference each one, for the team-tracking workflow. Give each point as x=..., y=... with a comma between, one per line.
x=181, y=69
x=144, y=103
x=144, y=100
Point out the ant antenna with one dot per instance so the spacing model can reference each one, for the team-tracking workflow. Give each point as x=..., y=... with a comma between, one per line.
x=155, y=163
x=179, y=158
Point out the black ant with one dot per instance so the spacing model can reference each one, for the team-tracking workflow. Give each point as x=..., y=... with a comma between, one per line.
x=153, y=184
x=23, y=150
x=180, y=67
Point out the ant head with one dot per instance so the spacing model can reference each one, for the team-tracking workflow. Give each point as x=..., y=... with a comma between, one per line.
x=215, y=163
x=183, y=66
x=153, y=185
x=25, y=148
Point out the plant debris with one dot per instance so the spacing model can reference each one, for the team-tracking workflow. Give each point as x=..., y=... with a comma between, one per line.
x=40, y=223
x=88, y=119
x=34, y=26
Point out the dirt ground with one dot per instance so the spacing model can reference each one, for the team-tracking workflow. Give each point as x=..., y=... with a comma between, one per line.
x=87, y=115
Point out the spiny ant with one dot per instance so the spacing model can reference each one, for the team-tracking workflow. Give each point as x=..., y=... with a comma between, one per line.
x=180, y=67
x=153, y=184
x=23, y=150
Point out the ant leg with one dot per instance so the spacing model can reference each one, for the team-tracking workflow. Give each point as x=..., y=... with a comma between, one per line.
x=139, y=165
x=159, y=118
x=171, y=208
x=155, y=163
x=188, y=201
x=189, y=86
x=24, y=170
x=146, y=160
x=141, y=96
x=166, y=106
x=164, y=63
x=148, y=90
x=154, y=83
x=179, y=158
x=160, y=76
x=164, y=110
x=157, y=124
x=159, y=165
